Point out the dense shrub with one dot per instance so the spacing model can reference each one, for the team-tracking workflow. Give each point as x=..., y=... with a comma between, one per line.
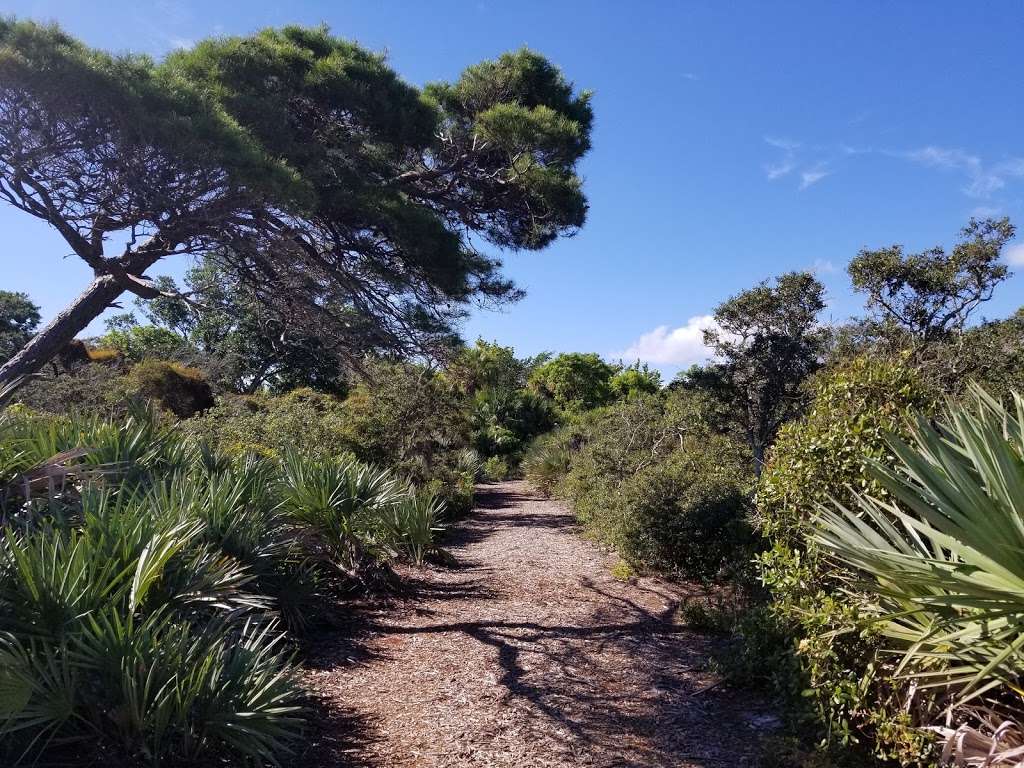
x=826, y=456
x=647, y=477
x=403, y=416
x=177, y=388
x=496, y=469
x=140, y=342
x=574, y=381
x=90, y=388
x=941, y=558
x=145, y=579
x=311, y=422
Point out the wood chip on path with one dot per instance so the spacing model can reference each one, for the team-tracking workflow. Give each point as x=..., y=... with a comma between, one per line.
x=525, y=652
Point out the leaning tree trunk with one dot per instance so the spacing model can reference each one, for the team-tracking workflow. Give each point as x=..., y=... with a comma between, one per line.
x=45, y=345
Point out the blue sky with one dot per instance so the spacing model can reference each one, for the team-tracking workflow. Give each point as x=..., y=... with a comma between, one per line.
x=734, y=141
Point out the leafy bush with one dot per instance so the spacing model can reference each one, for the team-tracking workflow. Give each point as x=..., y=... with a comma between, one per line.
x=574, y=381
x=827, y=455
x=942, y=559
x=496, y=469
x=112, y=585
x=402, y=416
x=547, y=460
x=144, y=577
x=91, y=388
x=177, y=388
x=648, y=477
x=312, y=423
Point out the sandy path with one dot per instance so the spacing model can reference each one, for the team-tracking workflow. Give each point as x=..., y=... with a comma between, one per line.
x=525, y=652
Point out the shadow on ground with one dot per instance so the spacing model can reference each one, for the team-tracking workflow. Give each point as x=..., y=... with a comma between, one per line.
x=606, y=677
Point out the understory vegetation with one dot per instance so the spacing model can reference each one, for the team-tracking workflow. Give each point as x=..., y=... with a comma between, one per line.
x=153, y=587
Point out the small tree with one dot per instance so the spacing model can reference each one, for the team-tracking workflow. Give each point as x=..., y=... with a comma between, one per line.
x=931, y=294
x=19, y=318
x=767, y=342
x=345, y=198
x=634, y=380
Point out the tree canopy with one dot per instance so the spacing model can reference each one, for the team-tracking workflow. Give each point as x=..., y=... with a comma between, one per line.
x=930, y=294
x=767, y=342
x=574, y=380
x=342, y=196
x=18, y=320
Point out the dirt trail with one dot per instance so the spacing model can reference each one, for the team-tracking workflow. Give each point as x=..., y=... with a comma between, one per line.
x=526, y=652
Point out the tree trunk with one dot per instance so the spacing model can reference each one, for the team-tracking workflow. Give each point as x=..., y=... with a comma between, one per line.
x=45, y=345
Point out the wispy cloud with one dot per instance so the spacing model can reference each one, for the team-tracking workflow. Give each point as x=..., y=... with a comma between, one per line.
x=786, y=144
x=690, y=76
x=823, y=267
x=813, y=176
x=812, y=163
x=792, y=160
x=1015, y=255
x=672, y=346
x=983, y=179
x=778, y=170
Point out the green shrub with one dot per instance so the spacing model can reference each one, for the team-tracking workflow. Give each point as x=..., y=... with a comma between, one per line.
x=312, y=423
x=124, y=618
x=942, y=557
x=177, y=388
x=546, y=462
x=826, y=455
x=144, y=576
x=496, y=469
x=684, y=514
x=90, y=388
x=647, y=477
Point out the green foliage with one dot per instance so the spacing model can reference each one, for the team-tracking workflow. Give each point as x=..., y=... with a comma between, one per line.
x=90, y=388
x=486, y=365
x=574, y=381
x=179, y=389
x=245, y=347
x=313, y=423
x=385, y=188
x=647, y=477
x=547, y=460
x=496, y=469
x=139, y=342
x=144, y=577
x=504, y=420
x=941, y=552
x=19, y=318
x=769, y=341
x=635, y=380
x=826, y=455
x=402, y=416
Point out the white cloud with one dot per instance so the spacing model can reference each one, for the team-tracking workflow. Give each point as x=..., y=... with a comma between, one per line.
x=690, y=76
x=823, y=267
x=779, y=170
x=673, y=346
x=812, y=176
x=787, y=144
x=1015, y=255
x=982, y=179
x=985, y=212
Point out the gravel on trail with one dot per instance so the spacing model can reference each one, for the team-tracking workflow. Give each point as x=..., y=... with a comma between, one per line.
x=525, y=651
